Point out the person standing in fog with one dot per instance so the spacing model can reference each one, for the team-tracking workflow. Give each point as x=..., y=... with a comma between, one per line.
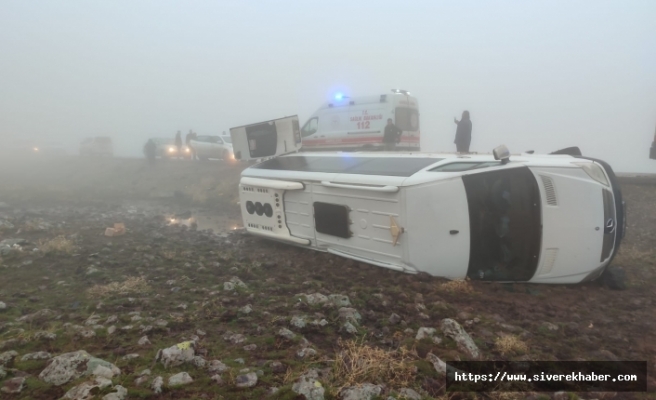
x=463, y=133
x=391, y=136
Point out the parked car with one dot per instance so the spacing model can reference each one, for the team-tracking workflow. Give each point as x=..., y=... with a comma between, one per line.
x=167, y=149
x=97, y=146
x=548, y=218
x=217, y=147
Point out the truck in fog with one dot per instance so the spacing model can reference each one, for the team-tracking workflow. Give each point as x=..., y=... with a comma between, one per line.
x=555, y=218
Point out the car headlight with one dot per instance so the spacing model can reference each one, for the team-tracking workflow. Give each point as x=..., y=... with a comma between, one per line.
x=594, y=171
x=171, y=149
x=36, y=149
x=187, y=150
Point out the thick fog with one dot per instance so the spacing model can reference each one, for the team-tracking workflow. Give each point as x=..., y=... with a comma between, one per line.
x=534, y=75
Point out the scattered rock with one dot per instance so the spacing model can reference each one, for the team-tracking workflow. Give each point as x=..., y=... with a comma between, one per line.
x=440, y=366
x=69, y=366
x=86, y=333
x=349, y=328
x=144, y=341
x=365, y=391
x=44, y=335
x=181, y=378
x=409, y=394
x=111, y=330
x=247, y=380
x=298, y=322
x=339, y=300
x=217, y=379
x=130, y=356
x=394, y=319
x=7, y=358
x=350, y=315
x=199, y=362
x=317, y=322
x=234, y=338
x=250, y=347
x=286, y=333
x=103, y=372
x=277, y=367
x=314, y=299
x=87, y=390
x=120, y=394
x=309, y=386
x=14, y=385
x=247, y=309
x=428, y=333
x=465, y=343
x=157, y=384
x=176, y=355
x=40, y=355
x=217, y=366
x=3, y=306
x=306, y=352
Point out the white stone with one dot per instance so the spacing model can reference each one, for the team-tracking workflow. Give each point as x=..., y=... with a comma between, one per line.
x=182, y=378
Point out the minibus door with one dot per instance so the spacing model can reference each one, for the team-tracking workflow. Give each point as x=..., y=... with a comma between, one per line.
x=266, y=139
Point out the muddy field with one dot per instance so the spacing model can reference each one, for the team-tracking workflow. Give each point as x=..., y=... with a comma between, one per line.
x=253, y=319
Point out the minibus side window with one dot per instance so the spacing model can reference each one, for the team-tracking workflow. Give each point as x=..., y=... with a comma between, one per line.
x=310, y=127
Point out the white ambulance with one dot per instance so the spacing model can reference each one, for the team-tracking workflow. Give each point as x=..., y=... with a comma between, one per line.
x=556, y=218
x=359, y=123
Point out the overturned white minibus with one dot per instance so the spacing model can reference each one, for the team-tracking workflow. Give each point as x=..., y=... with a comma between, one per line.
x=556, y=218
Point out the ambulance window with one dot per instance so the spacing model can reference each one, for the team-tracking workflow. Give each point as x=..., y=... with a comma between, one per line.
x=407, y=119
x=310, y=127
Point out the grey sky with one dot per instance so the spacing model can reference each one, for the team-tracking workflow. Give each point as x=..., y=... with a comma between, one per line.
x=534, y=75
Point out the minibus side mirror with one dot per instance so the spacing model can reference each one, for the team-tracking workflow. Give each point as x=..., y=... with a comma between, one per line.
x=501, y=153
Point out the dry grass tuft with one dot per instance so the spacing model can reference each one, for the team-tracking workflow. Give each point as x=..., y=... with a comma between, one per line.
x=511, y=345
x=130, y=285
x=457, y=286
x=359, y=363
x=59, y=245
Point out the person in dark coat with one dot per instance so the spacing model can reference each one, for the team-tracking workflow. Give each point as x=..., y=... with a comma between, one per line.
x=391, y=136
x=463, y=133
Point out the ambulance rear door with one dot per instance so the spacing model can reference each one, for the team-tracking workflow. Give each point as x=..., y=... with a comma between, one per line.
x=266, y=139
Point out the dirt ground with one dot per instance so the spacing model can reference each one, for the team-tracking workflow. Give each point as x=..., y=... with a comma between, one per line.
x=178, y=260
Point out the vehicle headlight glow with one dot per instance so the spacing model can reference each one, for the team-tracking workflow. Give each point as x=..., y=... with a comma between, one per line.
x=36, y=149
x=171, y=149
x=187, y=150
x=594, y=171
